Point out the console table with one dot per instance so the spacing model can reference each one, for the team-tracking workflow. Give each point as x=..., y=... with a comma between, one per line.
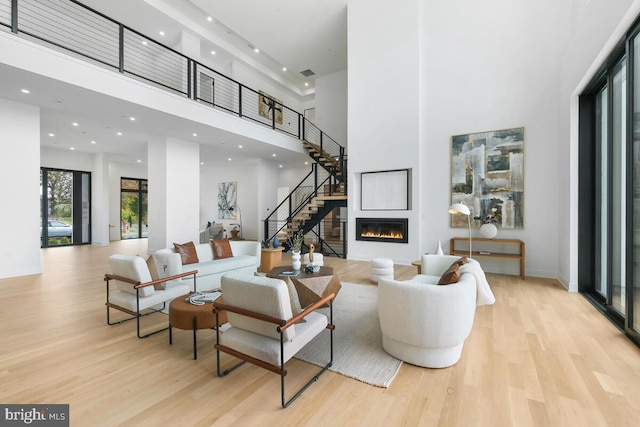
x=484, y=246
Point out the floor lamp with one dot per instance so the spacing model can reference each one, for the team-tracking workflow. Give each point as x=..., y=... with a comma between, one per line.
x=462, y=209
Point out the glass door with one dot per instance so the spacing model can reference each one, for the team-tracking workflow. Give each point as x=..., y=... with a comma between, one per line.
x=617, y=218
x=65, y=207
x=133, y=208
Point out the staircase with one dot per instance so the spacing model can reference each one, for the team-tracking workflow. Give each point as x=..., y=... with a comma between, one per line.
x=310, y=206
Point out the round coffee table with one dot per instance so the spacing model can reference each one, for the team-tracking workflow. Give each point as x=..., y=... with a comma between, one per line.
x=184, y=315
x=311, y=287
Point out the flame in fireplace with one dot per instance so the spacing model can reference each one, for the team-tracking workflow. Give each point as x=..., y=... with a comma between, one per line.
x=387, y=235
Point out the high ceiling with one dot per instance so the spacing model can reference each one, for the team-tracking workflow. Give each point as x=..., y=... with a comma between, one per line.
x=307, y=34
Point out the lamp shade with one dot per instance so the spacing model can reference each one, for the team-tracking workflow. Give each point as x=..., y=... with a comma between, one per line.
x=459, y=209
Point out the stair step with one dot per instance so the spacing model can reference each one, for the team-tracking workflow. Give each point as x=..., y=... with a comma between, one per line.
x=332, y=197
x=301, y=218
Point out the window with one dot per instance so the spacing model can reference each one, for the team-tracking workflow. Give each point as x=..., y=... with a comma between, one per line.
x=609, y=196
x=133, y=208
x=65, y=208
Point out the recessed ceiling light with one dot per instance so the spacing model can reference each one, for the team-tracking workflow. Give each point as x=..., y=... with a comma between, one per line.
x=201, y=163
x=25, y=91
x=306, y=163
x=71, y=148
x=256, y=50
x=279, y=166
x=93, y=142
x=213, y=52
x=273, y=155
x=209, y=18
x=74, y=124
x=51, y=134
x=195, y=134
x=284, y=68
x=139, y=161
x=229, y=159
x=306, y=83
x=119, y=133
x=144, y=42
x=133, y=119
x=239, y=146
x=161, y=33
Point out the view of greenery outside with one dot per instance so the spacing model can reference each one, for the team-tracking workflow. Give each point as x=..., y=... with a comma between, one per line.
x=133, y=208
x=59, y=193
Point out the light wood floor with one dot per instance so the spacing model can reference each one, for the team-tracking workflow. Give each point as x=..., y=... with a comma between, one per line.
x=539, y=357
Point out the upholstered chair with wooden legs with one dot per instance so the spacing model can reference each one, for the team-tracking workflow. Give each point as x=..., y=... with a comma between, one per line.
x=137, y=294
x=263, y=330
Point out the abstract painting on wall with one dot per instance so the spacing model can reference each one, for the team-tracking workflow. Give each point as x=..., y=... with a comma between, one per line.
x=226, y=200
x=487, y=174
x=267, y=104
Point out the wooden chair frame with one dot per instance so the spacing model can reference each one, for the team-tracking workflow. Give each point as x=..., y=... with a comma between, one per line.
x=282, y=325
x=137, y=286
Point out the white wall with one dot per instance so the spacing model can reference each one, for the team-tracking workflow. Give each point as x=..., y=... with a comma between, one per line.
x=19, y=175
x=253, y=178
x=331, y=106
x=384, y=111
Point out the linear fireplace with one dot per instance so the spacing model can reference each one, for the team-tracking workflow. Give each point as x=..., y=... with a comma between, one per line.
x=395, y=230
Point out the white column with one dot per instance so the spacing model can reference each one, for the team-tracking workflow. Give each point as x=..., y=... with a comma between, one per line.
x=20, y=178
x=174, y=192
x=100, y=201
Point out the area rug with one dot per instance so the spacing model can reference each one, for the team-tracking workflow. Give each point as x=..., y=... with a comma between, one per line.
x=357, y=339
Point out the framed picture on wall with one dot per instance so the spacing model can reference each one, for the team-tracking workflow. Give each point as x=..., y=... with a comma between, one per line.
x=487, y=174
x=384, y=190
x=227, y=200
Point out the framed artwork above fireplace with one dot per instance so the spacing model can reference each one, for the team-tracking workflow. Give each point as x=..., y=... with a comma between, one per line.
x=385, y=190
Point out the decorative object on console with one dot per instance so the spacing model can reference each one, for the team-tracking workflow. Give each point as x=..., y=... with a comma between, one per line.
x=276, y=242
x=439, y=250
x=462, y=209
x=487, y=172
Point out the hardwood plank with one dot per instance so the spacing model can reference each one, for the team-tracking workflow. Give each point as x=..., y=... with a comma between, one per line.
x=539, y=356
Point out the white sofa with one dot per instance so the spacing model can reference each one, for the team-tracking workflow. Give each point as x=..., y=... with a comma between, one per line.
x=246, y=259
x=423, y=323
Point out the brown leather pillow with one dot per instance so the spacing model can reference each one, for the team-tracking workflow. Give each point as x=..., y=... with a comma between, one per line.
x=187, y=253
x=221, y=249
x=452, y=274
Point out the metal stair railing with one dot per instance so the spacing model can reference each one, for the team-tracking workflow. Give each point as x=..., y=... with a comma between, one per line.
x=312, y=185
x=82, y=31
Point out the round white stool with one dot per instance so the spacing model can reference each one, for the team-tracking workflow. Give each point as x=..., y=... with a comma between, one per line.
x=381, y=268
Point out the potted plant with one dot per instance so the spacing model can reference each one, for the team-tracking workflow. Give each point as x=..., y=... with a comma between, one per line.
x=296, y=246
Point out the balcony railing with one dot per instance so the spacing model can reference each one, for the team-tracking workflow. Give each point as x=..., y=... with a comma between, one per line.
x=80, y=30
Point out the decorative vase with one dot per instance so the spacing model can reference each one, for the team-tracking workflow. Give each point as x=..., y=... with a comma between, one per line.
x=295, y=260
x=439, y=250
x=276, y=243
x=488, y=231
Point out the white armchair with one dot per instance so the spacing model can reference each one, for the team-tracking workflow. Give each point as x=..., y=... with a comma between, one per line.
x=423, y=323
x=264, y=330
x=135, y=292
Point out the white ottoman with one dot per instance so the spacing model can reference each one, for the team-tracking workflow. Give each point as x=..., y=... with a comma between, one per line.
x=381, y=268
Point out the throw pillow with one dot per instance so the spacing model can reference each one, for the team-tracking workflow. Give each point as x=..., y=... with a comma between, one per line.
x=452, y=274
x=187, y=253
x=294, y=300
x=221, y=249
